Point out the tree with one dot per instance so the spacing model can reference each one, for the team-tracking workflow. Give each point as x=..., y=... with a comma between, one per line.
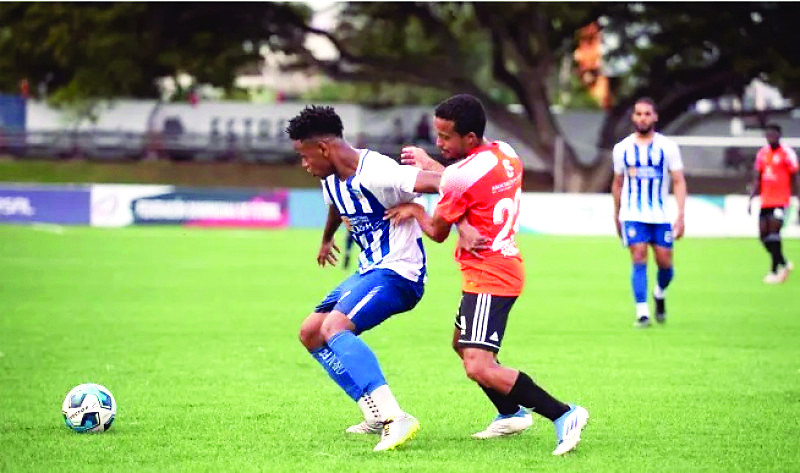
x=101, y=50
x=679, y=54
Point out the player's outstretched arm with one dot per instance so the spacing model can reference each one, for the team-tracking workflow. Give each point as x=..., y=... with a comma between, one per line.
x=428, y=182
x=328, y=249
x=416, y=156
x=435, y=227
x=680, y=191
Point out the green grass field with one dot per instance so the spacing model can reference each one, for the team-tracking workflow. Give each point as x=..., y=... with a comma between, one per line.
x=195, y=333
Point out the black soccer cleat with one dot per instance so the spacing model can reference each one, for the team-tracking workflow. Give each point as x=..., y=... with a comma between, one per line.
x=661, y=310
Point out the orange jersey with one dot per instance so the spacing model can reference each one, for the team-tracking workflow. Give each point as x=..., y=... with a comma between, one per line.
x=776, y=168
x=485, y=187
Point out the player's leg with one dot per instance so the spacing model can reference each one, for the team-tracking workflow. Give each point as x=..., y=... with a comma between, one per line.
x=637, y=237
x=662, y=250
x=773, y=222
x=312, y=338
x=379, y=294
x=484, y=324
x=511, y=418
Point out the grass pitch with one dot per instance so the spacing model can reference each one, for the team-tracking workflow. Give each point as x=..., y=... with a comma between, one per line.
x=195, y=334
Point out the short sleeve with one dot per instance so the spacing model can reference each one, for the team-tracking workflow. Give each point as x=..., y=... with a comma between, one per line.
x=453, y=202
x=791, y=160
x=388, y=174
x=618, y=155
x=673, y=155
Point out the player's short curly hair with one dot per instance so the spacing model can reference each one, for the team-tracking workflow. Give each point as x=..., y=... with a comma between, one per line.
x=315, y=121
x=466, y=112
x=774, y=127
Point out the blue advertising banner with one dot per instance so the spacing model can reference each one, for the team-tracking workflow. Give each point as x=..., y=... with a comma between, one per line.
x=49, y=205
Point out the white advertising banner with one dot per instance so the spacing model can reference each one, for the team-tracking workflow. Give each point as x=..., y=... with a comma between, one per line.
x=112, y=204
x=593, y=214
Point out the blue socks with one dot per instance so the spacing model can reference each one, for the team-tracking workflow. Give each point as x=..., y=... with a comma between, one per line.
x=664, y=276
x=336, y=370
x=639, y=282
x=351, y=364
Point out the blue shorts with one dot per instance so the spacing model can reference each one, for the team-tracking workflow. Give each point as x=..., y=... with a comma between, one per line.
x=370, y=298
x=659, y=234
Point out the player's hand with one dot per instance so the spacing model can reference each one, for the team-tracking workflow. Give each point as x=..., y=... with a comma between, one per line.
x=418, y=157
x=677, y=228
x=750, y=206
x=618, y=226
x=471, y=241
x=402, y=212
x=327, y=253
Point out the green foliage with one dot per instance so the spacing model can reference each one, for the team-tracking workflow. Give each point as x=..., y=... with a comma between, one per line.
x=375, y=93
x=119, y=49
x=195, y=333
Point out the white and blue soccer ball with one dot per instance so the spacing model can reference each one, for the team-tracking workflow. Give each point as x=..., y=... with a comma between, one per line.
x=89, y=408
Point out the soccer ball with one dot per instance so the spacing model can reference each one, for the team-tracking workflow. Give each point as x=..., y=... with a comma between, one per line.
x=89, y=408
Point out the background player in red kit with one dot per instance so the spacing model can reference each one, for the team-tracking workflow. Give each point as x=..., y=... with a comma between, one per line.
x=484, y=189
x=776, y=174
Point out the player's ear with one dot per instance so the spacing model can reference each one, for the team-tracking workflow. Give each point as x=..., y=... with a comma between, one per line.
x=472, y=139
x=324, y=148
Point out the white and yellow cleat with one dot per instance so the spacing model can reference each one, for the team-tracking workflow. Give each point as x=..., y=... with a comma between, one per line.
x=568, y=429
x=364, y=428
x=397, y=431
x=506, y=425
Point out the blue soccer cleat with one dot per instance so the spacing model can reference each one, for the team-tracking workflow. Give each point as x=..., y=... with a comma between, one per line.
x=568, y=429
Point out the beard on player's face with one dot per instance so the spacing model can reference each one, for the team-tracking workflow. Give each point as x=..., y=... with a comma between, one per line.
x=643, y=129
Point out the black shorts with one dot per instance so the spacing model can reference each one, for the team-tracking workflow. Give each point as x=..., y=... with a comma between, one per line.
x=482, y=318
x=776, y=213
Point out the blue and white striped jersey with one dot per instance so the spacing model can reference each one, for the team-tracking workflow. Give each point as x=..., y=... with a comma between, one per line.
x=647, y=177
x=379, y=183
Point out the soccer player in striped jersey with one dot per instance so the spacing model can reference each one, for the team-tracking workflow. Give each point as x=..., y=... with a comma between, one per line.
x=358, y=185
x=484, y=189
x=775, y=175
x=645, y=163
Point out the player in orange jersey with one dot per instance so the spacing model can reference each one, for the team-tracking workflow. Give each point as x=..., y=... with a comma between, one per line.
x=776, y=173
x=484, y=189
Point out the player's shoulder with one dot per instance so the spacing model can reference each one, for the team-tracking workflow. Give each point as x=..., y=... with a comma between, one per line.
x=623, y=143
x=664, y=141
x=461, y=176
x=789, y=151
x=373, y=161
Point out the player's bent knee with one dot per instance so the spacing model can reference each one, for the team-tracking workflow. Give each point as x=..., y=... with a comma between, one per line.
x=334, y=323
x=477, y=370
x=310, y=334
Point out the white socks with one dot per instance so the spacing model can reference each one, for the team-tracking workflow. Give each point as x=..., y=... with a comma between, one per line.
x=642, y=310
x=658, y=293
x=379, y=405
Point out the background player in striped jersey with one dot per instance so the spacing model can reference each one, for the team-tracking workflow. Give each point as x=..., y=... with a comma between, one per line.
x=484, y=189
x=358, y=186
x=645, y=163
x=775, y=175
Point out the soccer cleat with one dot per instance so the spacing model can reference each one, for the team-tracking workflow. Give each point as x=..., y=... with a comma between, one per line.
x=364, y=428
x=642, y=322
x=783, y=271
x=568, y=429
x=772, y=278
x=397, y=431
x=661, y=309
x=506, y=425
